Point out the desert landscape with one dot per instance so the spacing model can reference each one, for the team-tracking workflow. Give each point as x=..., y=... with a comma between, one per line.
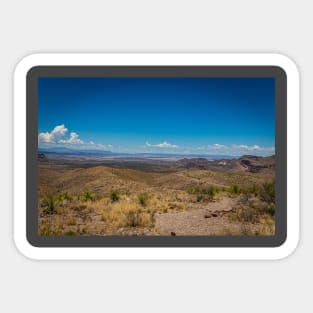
x=156, y=156
x=158, y=195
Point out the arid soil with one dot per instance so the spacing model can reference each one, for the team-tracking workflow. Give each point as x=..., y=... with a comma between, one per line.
x=185, y=197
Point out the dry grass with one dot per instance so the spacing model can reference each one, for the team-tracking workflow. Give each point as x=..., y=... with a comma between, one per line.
x=127, y=214
x=255, y=219
x=106, y=201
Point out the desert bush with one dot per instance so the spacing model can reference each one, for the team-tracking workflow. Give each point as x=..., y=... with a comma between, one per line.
x=114, y=196
x=253, y=213
x=88, y=196
x=205, y=193
x=64, y=196
x=267, y=192
x=127, y=214
x=269, y=209
x=143, y=199
x=51, y=204
x=136, y=218
x=235, y=189
x=248, y=215
x=133, y=218
x=211, y=192
x=253, y=189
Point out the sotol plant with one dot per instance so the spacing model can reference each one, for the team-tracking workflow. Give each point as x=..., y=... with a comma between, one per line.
x=115, y=196
x=88, y=196
x=51, y=205
x=267, y=194
x=143, y=199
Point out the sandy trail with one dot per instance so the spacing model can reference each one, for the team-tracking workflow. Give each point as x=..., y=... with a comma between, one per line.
x=206, y=220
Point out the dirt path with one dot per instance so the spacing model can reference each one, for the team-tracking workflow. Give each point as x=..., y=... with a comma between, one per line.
x=206, y=220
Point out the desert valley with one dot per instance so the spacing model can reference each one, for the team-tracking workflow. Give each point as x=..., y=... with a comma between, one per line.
x=91, y=193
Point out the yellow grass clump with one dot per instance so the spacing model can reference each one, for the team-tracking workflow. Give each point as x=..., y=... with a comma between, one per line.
x=127, y=214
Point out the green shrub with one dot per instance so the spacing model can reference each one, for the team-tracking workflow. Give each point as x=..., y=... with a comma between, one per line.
x=246, y=214
x=143, y=199
x=51, y=205
x=251, y=190
x=115, y=196
x=205, y=193
x=136, y=218
x=211, y=192
x=235, y=189
x=270, y=209
x=267, y=193
x=88, y=196
x=64, y=196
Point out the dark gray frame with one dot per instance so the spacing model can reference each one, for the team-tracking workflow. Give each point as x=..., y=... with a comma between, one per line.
x=157, y=71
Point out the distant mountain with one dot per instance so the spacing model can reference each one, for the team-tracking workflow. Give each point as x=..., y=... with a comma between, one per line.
x=256, y=164
x=64, y=150
x=186, y=156
x=194, y=163
x=250, y=163
x=76, y=152
x=246, y=163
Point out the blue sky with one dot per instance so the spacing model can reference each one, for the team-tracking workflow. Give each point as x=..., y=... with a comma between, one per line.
x=171, y=115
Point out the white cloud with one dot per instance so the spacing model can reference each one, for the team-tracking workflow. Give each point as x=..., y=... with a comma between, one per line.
x=59, y=136
x=54, y=137
x=161, y=145
x=248, y=148
x=218, y=146
x=235, y=149
x=73, y=140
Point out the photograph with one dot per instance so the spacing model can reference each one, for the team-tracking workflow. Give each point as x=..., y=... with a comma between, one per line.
x=156, y=156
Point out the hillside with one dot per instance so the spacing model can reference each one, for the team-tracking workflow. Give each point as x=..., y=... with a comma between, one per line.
x=221, y=195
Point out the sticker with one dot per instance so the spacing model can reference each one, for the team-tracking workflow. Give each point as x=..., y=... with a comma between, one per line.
x=156, y=156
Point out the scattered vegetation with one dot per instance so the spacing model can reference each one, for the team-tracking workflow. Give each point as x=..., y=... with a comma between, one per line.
x=64, y=197
x=204, y=193
x=235, y=189
x=132, y=203
x=115, y=196
x=51, y=204
x=267, y=192
x=253, y=190
x=88, y=196
x=143, y=199
x=260, y=215
x=128, y=214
